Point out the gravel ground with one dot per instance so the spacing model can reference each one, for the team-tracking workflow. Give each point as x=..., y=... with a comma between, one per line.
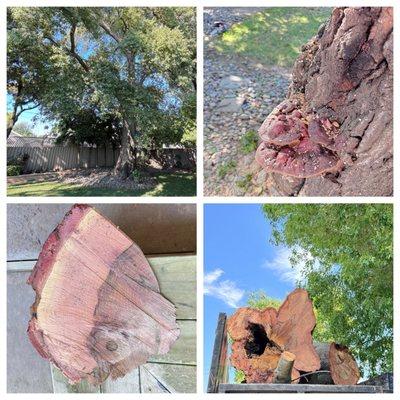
x=104, y=178
x=239, y=93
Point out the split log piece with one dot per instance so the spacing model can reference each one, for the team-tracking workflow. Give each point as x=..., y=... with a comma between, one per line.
x=283, y=372
x=98, y=309
x=338, y=360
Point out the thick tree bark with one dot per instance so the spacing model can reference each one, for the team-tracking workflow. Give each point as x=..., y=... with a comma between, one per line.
x=332, y=136
x=98, y=308
x=260, y=338
x=12, y=121
x=125, y=162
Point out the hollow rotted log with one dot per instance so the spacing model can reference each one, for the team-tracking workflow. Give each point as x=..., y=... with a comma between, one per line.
x=98, y=308
x=336, y=359
x=260, y=338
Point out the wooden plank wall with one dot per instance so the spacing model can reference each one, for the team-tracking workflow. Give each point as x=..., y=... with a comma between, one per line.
x=219, y=363
x=176, y=273
x=60, y=158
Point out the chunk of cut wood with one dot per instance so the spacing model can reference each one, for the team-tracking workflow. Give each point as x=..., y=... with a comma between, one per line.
x=261, y=337
x=283, y=372
x=340, y=363
x=293, y=330
x=98, y=308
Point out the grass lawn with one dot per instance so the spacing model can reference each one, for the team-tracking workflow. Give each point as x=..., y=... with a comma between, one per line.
x=275, y=35
x=176, y=184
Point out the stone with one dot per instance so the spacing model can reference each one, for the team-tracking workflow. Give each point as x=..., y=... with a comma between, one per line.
x=230, y=105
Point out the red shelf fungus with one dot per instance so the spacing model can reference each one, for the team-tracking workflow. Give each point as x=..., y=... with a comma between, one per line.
x=340, y=104
x=293, y=146
x=98, y=308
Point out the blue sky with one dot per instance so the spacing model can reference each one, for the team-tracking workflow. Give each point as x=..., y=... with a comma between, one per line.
x=39, y=127
x=239, y=259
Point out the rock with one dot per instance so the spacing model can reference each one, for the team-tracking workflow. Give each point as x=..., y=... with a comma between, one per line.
x=232, y=82
x=230, y=105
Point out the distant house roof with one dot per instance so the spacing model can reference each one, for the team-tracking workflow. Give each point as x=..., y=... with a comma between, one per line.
x=17, y=140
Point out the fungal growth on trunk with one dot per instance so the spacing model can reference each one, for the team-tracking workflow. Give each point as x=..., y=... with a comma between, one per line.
x=337, y=120
x=98, y=310
x=297, y=144
x=276, y=346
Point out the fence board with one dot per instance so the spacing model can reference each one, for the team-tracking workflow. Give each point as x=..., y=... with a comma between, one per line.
x=298, y=388
x=58, y=158
x=157, y=378
x=183, y=351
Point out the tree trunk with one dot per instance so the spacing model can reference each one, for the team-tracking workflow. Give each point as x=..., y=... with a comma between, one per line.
x=332, y=136
x=14, y=119
x=336, y=359
x=98, y=308
x=10, y=128
x=125, y=162
x=260, y=338
x=276, y=346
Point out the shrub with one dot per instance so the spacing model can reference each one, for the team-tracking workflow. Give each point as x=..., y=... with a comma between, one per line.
x=14, y=170
x=136, y=176
x=248, y=142
x=226, y=168
x=17, y=165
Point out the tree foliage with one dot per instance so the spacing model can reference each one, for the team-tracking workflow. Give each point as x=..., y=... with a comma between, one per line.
x=347, y=252
x=261, y=301
x=88, y=128
x=136, y=64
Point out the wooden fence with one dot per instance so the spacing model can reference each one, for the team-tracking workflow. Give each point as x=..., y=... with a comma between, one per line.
x=59, y=158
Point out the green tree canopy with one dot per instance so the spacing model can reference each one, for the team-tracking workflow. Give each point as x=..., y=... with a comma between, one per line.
x=261, y=301
x=137, y=64
x=347, y=250
x=87, y=127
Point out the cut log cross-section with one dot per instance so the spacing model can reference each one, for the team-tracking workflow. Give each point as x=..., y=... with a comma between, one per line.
x=336, y=359
x=98, y=308
x=260, y=338
x=276, y=346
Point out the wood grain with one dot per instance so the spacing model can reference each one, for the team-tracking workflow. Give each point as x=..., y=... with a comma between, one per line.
x=176, y=275
x=98, y=309
x=260, y=337
x=181, y=377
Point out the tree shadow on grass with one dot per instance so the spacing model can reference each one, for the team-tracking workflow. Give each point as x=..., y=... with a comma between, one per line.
x=174, y=184
x=274, y=35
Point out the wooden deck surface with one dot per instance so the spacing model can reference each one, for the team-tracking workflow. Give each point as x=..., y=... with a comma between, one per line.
x=173, y=372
